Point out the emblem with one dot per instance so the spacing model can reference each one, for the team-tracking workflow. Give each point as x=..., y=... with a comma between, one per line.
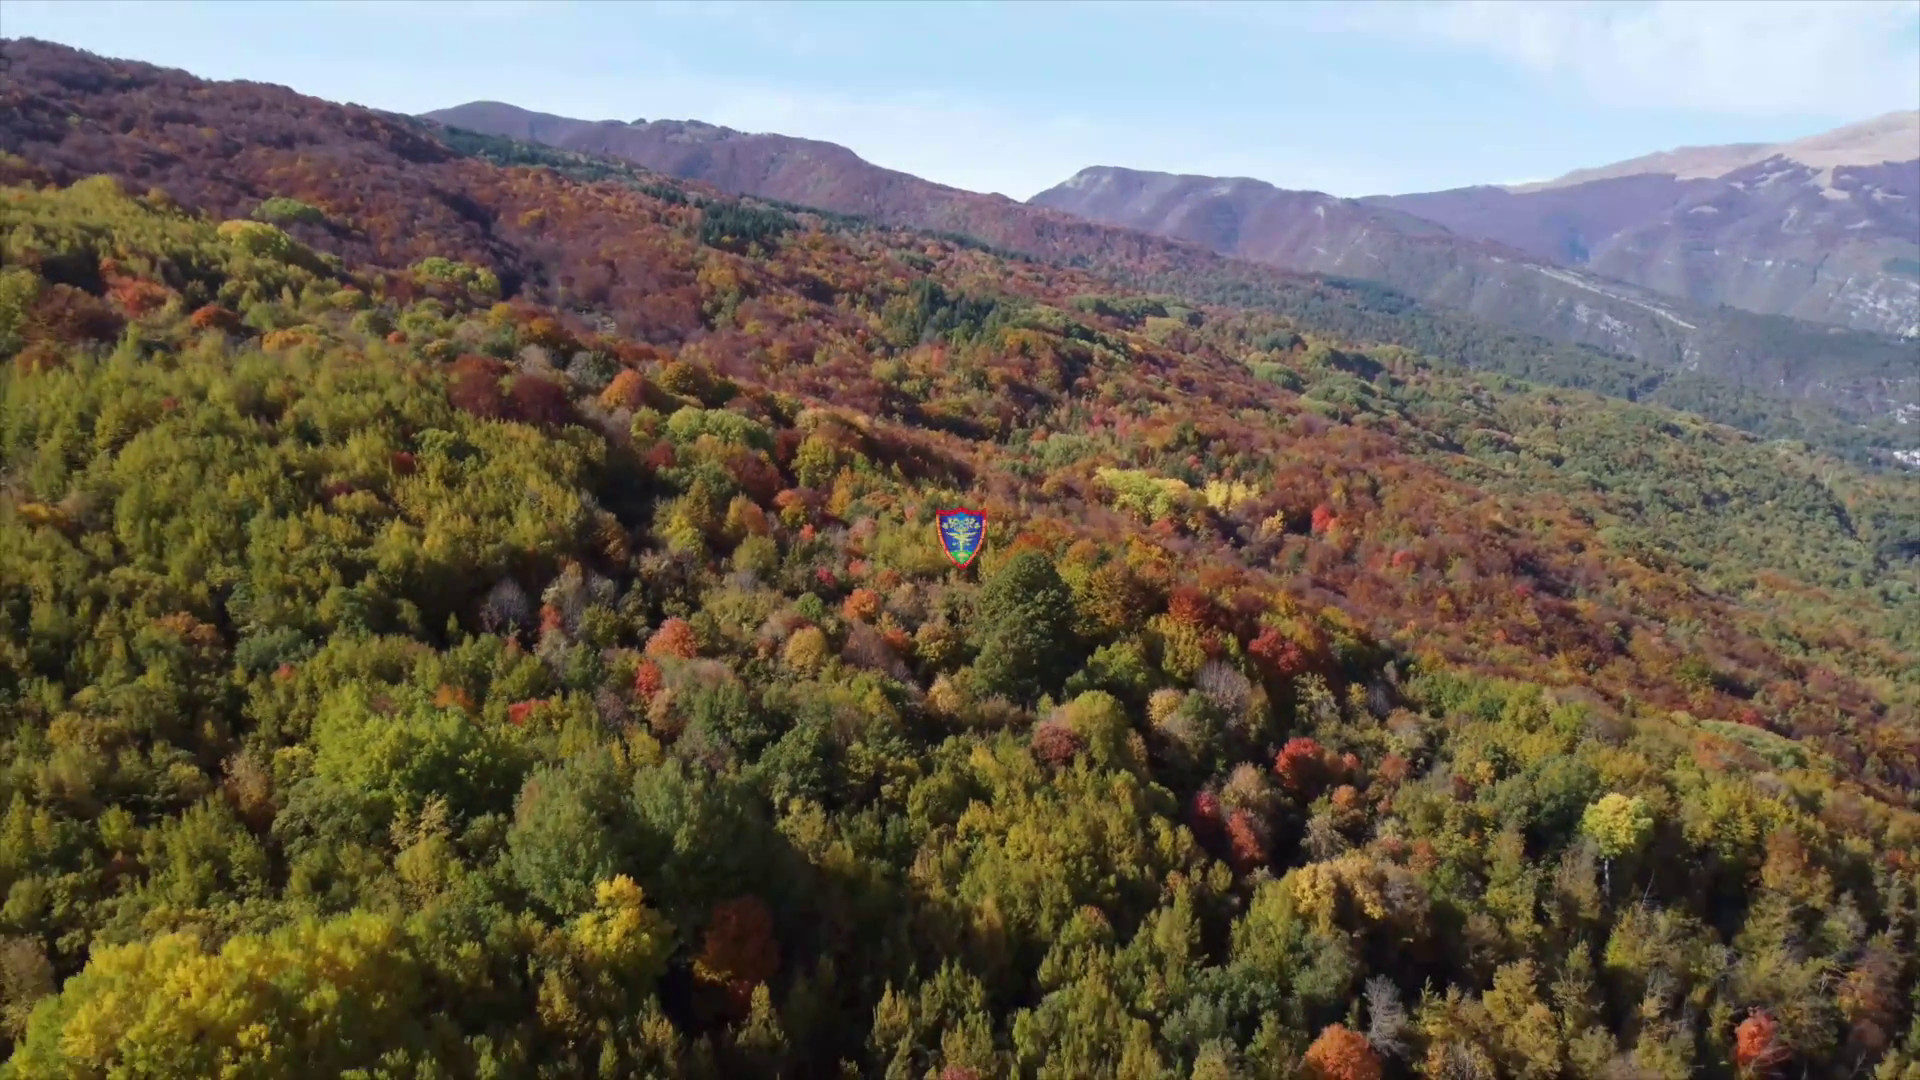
x=961, y=533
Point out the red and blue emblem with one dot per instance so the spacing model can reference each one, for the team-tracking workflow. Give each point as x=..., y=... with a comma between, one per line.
x=962, y=533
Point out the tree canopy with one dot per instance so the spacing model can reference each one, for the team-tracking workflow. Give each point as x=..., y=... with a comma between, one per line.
x=498, y=628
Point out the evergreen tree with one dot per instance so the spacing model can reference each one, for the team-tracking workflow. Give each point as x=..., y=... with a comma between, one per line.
x=1026, y=629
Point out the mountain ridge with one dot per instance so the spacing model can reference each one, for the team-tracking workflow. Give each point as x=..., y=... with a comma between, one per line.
x=1890, y=137
x=1406, y=252
x=1321, y=233
x=1824, y=228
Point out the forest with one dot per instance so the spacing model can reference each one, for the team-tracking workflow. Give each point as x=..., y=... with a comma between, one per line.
x=484, y=618
x=1369, y=311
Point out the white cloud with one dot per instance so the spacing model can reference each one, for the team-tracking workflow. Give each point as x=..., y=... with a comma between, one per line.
x=1751, y=57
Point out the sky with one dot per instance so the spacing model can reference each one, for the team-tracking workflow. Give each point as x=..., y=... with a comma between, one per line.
x=1352, y=99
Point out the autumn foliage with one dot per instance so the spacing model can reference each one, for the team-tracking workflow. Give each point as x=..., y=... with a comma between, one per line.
x=501, y=600
x=674, y=639
x=739, y=950
x=1757, y=1049
x=1340, y=1054
x=1302, y=766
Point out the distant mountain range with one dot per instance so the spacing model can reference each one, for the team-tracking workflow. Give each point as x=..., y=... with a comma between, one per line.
x=1893, y=137
x=1505, y=280
x=1825, y=228
x=807, y=172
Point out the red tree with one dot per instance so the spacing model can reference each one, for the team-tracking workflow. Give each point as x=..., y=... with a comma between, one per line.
x=1278, y=655
x=861, y=605
x=215, y=317
x=1340, y=1054
x=1756, y=1045
x=628, y=390
x=647, y=681
x=534, y=399
x=740, y=950
x=1206, y=818
x=1246, y=848
x=1055, y=743
x=674, y=638
x=1302, y=766
x=1191, y=606
x=473, y=386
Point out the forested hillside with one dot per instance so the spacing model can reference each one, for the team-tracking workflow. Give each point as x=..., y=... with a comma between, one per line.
x=1477, y=304
x=1681, y=328
x=469, y=620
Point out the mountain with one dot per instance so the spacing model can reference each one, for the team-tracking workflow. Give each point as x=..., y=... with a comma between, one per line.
x=807, y=172
x=1893, y=137
x=1308, y=231
x=1863, y=376
x=473, y=609
x=1825, y=228
x=405, y=153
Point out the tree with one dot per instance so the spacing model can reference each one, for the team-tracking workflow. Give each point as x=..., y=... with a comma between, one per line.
x=473, y=386
x=1247, y=847
x=537, y=400
x=1026, y=629
x=1099, y=724
x=806, y=650
x=1523, y=1026
x=674, y=639
x=1302, y=767
x=1340, y=1054
x=317, y=997
x=571, y=829
x=1055, y=742
x=1757, y=1050
x=1618, y=825
x=861, y=605
x=620, y=938
x=1387, y=1022
x=740, y=950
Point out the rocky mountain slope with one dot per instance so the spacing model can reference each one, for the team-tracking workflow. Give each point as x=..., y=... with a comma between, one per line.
x=1310, y=231
x=1892, y=137
x=1862, y=375
x=1825, y=228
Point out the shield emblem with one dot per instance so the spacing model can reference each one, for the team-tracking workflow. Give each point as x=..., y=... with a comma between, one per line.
x=962, y=532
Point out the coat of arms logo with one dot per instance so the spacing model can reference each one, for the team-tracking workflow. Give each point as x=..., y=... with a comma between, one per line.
x=962, y=532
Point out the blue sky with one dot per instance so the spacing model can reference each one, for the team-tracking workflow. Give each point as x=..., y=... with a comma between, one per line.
x=1351, y=99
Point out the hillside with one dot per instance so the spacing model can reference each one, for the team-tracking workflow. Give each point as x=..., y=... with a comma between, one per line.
x=1861, y=373
x=473, y=619
x=1825, y=228
x=1863, y=377
x=821, y=175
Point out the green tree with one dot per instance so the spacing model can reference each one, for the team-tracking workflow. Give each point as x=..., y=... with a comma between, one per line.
x=572, y=828
x=1025, y=629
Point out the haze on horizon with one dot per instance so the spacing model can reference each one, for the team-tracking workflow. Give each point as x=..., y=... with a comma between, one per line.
x=1352, y=100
